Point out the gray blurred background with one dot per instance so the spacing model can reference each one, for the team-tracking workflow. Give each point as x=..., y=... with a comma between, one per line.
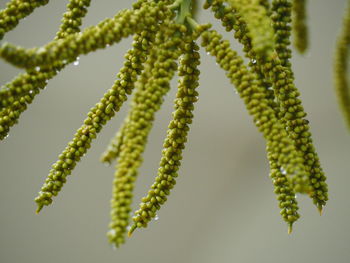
x=222, y=209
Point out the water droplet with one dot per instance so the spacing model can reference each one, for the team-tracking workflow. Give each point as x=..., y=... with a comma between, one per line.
x=76, y=63
x=111, y=232
x=283, y=171
x=253, y=61
x=31, y=92
x=156, y=217
x=37, y=68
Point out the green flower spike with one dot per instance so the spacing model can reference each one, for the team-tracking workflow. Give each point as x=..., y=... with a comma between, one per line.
x=72, y=19
x=140, y=123
x=301, y=38
x=176, y=137
x=231, y=20
x=293, y=114
x=164, y=31
x=108, y=32
x=341, y=70
x=99, y=115
x=15, y=11
x=16, y=95
x=281, y=19
x=287, y=105
x=258, y=24
x=280, y=148
x=113, y=149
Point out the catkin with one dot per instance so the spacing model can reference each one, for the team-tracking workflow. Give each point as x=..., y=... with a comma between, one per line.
x=231, y=20
x=341, y=68
x=259, y=25
x=176, y=138
x=107, y=32
x=114, y=147
x=164, y=33
x=301, y=38
x=281, y=19
x=287, y=105
x=16, y=95
x=15, y=11
x=98, y=116
x=138, y=127
x=280, y=148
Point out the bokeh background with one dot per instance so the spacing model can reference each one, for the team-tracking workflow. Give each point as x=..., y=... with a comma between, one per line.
x=222, y=209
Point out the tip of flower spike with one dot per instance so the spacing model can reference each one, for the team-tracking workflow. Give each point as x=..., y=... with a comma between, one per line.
x=39, y=209
x=290, y=229
x=132, y=229
x=320, y=209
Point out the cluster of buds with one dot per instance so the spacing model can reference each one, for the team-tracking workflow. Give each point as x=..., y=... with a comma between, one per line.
x=165, y=35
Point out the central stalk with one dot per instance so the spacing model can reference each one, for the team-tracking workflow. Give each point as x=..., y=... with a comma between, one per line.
x=185, y=8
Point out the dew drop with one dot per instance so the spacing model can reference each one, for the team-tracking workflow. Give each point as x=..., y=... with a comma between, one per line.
x=283, y=171
x=156, y=217
x=31, y=92
x=76, y=63
x=111, y=232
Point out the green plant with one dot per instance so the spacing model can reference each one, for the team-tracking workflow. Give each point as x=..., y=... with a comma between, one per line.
x=165, y=42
